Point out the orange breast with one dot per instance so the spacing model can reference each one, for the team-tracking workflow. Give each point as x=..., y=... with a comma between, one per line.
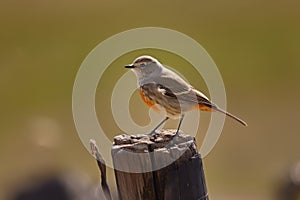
x=148, y=101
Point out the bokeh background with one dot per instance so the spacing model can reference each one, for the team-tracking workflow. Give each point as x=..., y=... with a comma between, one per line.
x=255, y=44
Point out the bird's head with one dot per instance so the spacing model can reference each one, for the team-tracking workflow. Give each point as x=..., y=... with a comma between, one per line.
x=144, y=65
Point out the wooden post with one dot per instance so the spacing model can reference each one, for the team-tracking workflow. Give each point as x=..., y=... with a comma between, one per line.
x=182, y=179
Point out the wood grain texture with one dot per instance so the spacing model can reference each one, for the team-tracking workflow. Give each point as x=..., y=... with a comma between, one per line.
x=181, y=178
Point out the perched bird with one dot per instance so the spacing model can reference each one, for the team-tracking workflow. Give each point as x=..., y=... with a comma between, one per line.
x=159, y=85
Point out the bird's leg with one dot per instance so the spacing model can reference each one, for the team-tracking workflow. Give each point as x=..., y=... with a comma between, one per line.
x=179, y=125
x=163, y=121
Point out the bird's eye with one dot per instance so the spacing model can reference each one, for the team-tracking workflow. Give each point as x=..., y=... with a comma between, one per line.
x=142, y=65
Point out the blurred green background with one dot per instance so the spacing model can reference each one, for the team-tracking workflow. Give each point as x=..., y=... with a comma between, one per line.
x=255, y=44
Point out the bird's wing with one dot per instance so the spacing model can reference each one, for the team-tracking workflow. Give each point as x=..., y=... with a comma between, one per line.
x=172, y=81
x=157, y=90
x=177, y=94
x=173, y=85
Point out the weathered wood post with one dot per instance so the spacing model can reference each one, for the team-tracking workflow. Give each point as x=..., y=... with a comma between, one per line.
x=181, y=178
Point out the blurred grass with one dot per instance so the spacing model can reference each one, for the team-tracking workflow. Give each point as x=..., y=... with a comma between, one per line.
x=254, y=43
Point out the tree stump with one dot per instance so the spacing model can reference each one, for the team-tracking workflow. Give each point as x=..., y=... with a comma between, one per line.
x=158, y=167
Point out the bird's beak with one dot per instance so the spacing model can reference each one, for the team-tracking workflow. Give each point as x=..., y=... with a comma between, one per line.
x=131, y=66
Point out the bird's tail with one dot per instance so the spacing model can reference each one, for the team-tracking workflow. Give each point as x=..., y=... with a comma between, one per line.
x=205, y=105
x=230, y=115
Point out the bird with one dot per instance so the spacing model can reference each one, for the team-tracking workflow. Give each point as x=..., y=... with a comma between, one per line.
x=159, y=85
